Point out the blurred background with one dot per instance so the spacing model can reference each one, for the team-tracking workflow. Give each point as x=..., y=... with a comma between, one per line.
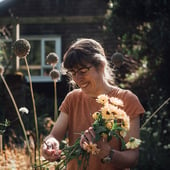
x=136, y=39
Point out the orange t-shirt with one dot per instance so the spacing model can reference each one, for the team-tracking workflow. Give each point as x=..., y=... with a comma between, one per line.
x=80, y=108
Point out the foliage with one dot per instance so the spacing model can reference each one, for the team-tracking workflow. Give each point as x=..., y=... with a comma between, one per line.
x=142, y=31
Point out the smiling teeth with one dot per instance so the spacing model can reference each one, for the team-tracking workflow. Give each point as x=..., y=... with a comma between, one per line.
x=84, y=85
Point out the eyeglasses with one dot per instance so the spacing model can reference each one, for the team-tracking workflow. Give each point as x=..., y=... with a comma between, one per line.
x=81, y=71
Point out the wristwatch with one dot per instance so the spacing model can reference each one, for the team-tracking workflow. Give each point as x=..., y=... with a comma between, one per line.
x=108, y=158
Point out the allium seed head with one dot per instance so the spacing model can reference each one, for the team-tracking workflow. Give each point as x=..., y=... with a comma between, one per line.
x=21, y=48
x=117, y=59
x=52, y=59
x=55, y=74
x=1, y=70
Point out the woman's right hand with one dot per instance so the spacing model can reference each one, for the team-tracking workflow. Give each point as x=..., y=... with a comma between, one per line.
x=50, y=149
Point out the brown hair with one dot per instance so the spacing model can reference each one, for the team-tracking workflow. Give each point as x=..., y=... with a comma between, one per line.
x=87, y=51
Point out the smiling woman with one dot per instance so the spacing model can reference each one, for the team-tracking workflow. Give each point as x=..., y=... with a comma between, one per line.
x=86, y=61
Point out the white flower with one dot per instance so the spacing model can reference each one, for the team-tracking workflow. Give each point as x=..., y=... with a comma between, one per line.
x=133, y=143
x=116, y=101
x=102, y=99
x=24, y=110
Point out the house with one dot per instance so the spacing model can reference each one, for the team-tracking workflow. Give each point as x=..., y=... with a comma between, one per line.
x=51, y=26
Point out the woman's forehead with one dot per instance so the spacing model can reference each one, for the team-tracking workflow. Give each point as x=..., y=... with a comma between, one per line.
x=78, y=66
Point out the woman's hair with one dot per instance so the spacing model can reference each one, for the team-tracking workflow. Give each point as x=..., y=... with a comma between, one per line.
x=87, y=51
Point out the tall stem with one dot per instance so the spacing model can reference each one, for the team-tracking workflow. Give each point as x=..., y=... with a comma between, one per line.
x=34, y=108
x=1, y=144
x=55, y=102
x=19, y=116
x=159, y=108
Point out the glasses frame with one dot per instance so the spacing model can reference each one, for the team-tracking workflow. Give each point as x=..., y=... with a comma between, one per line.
x=81, y=71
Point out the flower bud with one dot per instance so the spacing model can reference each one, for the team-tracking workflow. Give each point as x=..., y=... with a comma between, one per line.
x=21, y=48
x=55, y=74
x=117, y=59
x=52, y=59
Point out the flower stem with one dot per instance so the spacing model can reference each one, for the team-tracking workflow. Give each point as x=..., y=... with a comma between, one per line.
x=159, y=108
x=19, y=116
x=34, y=108
x=55, y=102
x=1, y=144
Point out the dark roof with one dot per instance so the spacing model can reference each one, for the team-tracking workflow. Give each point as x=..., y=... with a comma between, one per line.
x=24, y=8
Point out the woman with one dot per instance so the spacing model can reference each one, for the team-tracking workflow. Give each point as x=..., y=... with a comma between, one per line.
x=86, y=63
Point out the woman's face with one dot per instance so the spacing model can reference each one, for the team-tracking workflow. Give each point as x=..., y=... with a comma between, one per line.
x=89, y=79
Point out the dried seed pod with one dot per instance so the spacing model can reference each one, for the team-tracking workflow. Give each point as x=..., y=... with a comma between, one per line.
x=52, y=59
x=21, y=48
x=117, y=59
x=1, y=70
x=55, y=74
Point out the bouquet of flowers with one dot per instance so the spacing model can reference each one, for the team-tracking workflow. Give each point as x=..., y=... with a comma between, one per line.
x=110, y=121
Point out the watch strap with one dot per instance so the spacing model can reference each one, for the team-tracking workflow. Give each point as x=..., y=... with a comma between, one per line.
x=108, y=158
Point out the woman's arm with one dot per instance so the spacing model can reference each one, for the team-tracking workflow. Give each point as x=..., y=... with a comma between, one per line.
x=60, y=127
x=50, y=147
x=127, y=158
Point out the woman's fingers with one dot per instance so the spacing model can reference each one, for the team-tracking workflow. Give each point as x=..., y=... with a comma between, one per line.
x=87, y=137
x=50, y=149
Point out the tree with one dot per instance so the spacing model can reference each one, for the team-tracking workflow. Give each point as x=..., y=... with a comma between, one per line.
x=142, y=29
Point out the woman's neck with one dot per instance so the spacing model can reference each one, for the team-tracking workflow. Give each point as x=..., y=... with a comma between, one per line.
x=104, y=90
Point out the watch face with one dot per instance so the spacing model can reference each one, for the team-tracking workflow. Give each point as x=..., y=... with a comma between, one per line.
x=107, y=159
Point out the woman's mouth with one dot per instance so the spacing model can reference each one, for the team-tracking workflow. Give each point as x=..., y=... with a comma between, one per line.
x=83, y=85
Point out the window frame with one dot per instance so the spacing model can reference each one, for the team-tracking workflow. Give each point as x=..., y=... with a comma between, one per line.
x=43, y=65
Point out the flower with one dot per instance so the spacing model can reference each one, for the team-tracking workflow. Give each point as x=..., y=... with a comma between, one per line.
x=133, y=143
x=110, y=121
x=117, y=59
x=105, y=112
x=102, y=99
x=24, y=110
x=52, y=59
x=116, y=101
x=55, y=74
x=95, y=115
x=110, y=124
x=21, y=48
x=91, y=148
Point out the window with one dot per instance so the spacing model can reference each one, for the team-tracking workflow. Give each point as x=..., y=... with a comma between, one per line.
x=40, y=48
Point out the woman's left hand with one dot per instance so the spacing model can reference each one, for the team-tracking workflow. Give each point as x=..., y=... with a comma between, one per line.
x=89, y=137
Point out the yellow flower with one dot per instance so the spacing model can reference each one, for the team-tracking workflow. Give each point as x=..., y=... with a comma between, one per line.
x=133, y=143
x=123, y=133
x=116, y=101
x=126, y=123
x=102, y=99
x=91, y=148
x=95, y=115
x=109, y=124
x=120, y=114
x=106, y=114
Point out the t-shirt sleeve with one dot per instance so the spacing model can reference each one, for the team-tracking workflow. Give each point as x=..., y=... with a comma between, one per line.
x=132, y=104
x=66, y=104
